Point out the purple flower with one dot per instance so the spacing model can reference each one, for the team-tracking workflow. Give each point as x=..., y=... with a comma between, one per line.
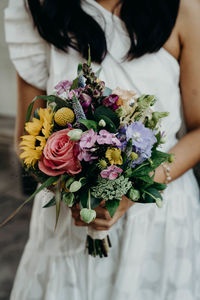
x=108, y=138
x=63, y=86
x=73, y=93
x=143, y=140
x=110, y=100
x=85, y=155
x=85, y=101
x=88, y=139
x=112, y=172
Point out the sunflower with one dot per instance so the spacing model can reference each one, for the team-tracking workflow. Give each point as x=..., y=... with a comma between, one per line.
x=34, y=127
x=32, y=147
x=114, y=156
x=46, y=117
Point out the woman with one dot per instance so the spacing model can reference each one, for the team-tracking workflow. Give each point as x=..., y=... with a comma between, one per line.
x=155, y=253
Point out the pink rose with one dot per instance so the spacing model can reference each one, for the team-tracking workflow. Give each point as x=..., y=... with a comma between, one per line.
x=60, y=155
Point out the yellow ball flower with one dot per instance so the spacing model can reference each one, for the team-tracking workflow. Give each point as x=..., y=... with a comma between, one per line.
x=114, y=156
x=64, y=116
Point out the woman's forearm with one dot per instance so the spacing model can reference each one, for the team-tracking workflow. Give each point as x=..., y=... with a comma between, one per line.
x=26, y=93
x=187, y=155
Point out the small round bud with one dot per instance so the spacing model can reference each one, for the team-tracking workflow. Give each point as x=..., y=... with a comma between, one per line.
x=102, y=123
x=133, y=156
x=103, y=163
x=171, y=158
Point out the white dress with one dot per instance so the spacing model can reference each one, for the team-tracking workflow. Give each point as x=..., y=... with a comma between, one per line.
x=156, y=252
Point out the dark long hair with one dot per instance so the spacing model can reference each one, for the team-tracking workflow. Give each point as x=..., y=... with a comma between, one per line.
x=64, y=24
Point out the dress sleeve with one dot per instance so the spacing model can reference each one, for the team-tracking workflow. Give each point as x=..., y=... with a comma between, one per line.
x=28, y=51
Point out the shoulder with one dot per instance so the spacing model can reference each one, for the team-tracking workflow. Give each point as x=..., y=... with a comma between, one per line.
x=188, y=21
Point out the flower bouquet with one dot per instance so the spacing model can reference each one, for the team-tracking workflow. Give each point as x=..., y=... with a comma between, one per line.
x=92, y=143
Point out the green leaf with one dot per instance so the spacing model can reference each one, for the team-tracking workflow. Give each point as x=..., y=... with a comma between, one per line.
x=74, y=85
x=88, y=124
x=58, y=201
x=52, y=202
x=49, y=99
x=112, y=206
x=47, y=183
x=146, y=178
x=110, y=126
x=107, y=112
x=151, y=194
x=80, y=69
x=83, y=197
x=89, y=56
x=159, y=186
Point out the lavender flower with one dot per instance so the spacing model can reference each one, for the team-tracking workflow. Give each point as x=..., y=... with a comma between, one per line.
x=63, y=86
x=143, y=140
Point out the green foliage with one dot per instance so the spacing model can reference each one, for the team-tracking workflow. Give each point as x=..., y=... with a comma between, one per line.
x=74, y=85
x=89, y=124
x=151, y=195
x=112, y=206
x=49, y=99
x=107, y=112
x=52, y=202
x=110, y=126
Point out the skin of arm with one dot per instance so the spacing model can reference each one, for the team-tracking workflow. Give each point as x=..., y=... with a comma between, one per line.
x=187, y=150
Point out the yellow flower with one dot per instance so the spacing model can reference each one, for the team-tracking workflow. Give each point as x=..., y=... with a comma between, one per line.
x=114, y=156
x=64, y=116
x=32, y=147
x=46, y=116
x=44, y=124
x=34, y=127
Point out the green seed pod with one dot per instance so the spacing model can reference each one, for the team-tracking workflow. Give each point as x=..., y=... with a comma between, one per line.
x=68, y=199
x=68, y=182
x=88, y=215
x=75, y=186
x=133, y=194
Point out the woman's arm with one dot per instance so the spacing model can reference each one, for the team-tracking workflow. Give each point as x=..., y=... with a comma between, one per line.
x=25, y=94
x=187, y=150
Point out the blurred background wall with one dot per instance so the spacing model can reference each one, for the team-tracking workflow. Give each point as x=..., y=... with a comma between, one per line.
x=7, y=73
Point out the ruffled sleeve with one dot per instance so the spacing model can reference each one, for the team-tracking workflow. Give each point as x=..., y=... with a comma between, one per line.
x=28, y=52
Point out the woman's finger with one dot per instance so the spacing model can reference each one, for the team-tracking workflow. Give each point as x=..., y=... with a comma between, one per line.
x=102, y=213
x=106, y=224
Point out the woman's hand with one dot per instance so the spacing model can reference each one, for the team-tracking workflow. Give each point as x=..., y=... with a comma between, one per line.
x=103, y=220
